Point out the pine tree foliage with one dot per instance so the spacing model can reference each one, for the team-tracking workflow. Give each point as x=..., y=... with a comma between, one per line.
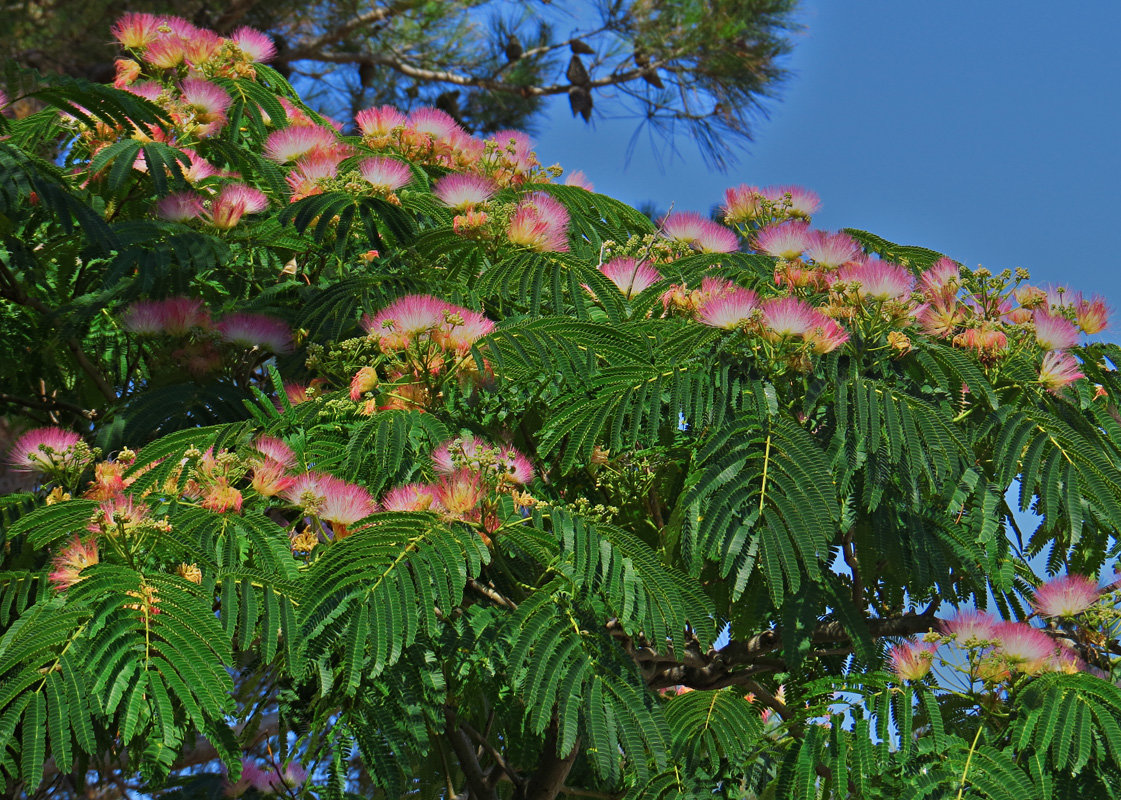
x=337, y=489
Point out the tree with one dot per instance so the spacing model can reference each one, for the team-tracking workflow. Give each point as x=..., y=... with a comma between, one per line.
x=698, y=69
x=387, y=465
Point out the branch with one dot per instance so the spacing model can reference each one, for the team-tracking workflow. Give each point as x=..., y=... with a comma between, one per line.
x=548, y=781
x=310, y=49
x=48, y=404
x=478, y=788
x=517, y=779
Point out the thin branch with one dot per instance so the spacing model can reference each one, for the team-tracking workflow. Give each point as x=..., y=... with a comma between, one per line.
x=478, y=787
x=374, y=15
x=493, y=753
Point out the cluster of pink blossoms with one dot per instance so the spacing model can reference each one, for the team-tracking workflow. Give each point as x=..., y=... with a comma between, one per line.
x=196, y=335
x=998, y=649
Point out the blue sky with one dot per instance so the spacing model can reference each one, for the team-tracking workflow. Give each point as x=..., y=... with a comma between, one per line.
x=986, y=130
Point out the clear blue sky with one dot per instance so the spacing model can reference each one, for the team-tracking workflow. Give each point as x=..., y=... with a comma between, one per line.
x=990, y=131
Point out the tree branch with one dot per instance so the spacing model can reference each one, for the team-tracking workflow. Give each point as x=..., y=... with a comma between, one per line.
x=548, y=781
x=477, y=785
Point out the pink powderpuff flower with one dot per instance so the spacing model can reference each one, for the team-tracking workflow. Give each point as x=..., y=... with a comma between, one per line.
x=310, y=170
x=832, y=250
x=166, y=53
x=943, y=276
x=270, y=478
x=256, y=46
x=180, y=207
x=175, y=316
x=512, y=150
x=1061, y=297
x=579, y=180
x=459, y=493
x=385, y=174
x=404, y=319
x=289, y=144
x=912, y=660
x=126, y=73
x=940, y=318
x=630, y=275
x=971, y=628
x=257, y=331
x=1065, y=596
x=233, y=202
x=515, y=467
x=220, y=497
x=199, y=168
x=826, y=336
x=878, y=280
x=463, y=191
x=458, y=453
x=742, y=203
x=177, y=26
x=460, y=329
x=276, y=450
x=379, y=122
x=117, y=512
x=789, y=316
x=539, y=223
x=1092, y=315
x=1054, y=332
x=786, y=240
x=67, y=566
x=1024, y=647
x=149, y=90
x=364, y=380
x=1058, y=370
x=411, y=497
x=296, y=393
x=209, y=102
x=43, y=449
x=728, y=308
x=700, y=233
x=330, y=498
x=135, y=31
x=202, y=46
x=795, y=201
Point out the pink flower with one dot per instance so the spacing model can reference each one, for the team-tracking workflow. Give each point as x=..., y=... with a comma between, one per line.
x=166, y=53
x=786, y=240
x=1058, y=370
x=463, y=191
x=404, y=319
x=971, y=628
x=67, y=566
x=136, y=31
x=944, y=274
x=379, y=122
x=700, y=233
x=288, y=144
x=220, y=497
x=475, y=454
x=728, y=308
x=256, y=46
x=434, y=123
x=630, y=275
x=410, y=497
x=1061, y=297
x=271, y=478
x=911, y=660
x=513, y=150
x=1023, y=646
x=460, y=329
x=832, y=250
x=310, y=170
x=789, y=316
x=180, y=207
x=826, y=336
x=175, y=316
x=940, y=318
x=539, y=223
x=127, y=71
x=878, y=280
x=233, y=202
x=330, y=498
x=385, y=174
x=1054, y=332
x=1092, y=315
x=794, y=201
x=579, y=179
x=460, y=493
x=202, y=46
x=257, y=331
x=741, y=203
x=275, y=450
x=43, y=449
x=199, y=167
x=1065, y=596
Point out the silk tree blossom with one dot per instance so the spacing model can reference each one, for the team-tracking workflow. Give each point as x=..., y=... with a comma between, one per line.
x=199, y=168
x=699, y=233
x=794, y=201
x=971, y=628
x=386, y=175
x=1092, y=315
x=276, y=450
x=471, y=453
x=202, y=46
x=460, y=493
x=433, y=123
x=75, y=556
x=379, y=123
x=742, y=203
x=1054, y=332
x=728, y=309
x=411, y=497
x=512, y=150
x=257, y=331
x=330, y=498
x=832, y=250
x=174, y=316
x=1058, y=370
x=874, y=279
x=304, y=180
x=44, y=450
x=579, y=180
x=135, y=31
x=786, y=317
x=1065, y=596
x=289, y=144
x=460, y=329
x=399, y=323
x=233, y=202
x=539, y=223
x=630, y=275
x=786, y=240
x=1024, y=647
x=180, y=207
x=912, y=660
x=256, y=46
x=166, y=53
x=941, y=279
x=461, y=191
x=126, y=72
x=940, y=318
